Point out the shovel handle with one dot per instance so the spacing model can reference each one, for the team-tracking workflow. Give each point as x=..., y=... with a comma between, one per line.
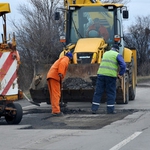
x=61, y=99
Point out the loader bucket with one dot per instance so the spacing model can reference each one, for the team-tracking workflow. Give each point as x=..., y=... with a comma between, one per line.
x=79, y=83
x=38, y=88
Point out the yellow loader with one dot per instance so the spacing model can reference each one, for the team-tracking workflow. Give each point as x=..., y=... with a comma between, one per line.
x=88, y=47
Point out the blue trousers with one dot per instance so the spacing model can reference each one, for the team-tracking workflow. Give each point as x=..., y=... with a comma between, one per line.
x=109, y=85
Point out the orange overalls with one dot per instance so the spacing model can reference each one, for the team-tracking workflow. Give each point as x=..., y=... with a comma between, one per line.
x=53, y=80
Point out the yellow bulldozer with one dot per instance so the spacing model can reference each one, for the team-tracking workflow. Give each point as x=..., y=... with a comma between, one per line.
x=88, y=46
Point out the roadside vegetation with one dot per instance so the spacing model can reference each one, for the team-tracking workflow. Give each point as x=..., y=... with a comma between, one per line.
x=143, y=79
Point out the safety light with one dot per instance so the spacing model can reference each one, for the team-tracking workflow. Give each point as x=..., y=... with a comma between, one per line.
x=62, y=39
x=117, y=38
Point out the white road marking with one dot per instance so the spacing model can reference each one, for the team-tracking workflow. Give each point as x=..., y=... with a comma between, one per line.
x=127, y=140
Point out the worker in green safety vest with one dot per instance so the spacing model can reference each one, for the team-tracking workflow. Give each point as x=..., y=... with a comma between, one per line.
x=106, y=78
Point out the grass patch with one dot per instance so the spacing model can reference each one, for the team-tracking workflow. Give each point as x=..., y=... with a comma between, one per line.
x=143, y=79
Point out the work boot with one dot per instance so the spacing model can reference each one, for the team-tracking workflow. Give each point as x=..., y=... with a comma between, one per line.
x=113, y=112
x=94, y=111
x=57, y=114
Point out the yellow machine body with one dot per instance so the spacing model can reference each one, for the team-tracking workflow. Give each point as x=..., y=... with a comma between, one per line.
x=88, y=49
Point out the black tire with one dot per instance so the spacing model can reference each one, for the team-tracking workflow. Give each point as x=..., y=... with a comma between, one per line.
x=126, y=88
x=132, y=92
x=132, y=82
x=12, y=118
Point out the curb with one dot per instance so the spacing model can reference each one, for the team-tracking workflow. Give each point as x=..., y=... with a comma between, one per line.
x=143, y=85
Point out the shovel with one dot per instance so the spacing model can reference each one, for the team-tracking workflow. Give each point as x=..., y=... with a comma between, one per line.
x=62, y=104
x=31, y=101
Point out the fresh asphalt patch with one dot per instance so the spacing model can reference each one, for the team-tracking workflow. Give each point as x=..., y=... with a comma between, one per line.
x=72, y=119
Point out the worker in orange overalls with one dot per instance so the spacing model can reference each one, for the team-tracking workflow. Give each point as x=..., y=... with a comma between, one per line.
x=56, y=73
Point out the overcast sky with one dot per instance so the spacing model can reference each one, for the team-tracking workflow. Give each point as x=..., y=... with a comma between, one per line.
x=135, y=7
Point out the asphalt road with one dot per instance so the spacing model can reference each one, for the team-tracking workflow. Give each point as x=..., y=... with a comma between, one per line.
x=78, y=129
x=78, y=115
x=73, y=118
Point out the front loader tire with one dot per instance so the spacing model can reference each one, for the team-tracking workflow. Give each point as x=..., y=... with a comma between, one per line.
x=126, y=88
x=132, y=80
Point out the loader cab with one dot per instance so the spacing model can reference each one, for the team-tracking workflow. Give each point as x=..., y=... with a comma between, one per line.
x=81, y=23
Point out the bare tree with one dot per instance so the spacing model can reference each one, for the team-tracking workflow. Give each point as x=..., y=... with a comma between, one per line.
x=37, y=36
x=139, y=37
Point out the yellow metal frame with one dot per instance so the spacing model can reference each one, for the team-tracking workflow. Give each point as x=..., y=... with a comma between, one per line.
x=87, y=2
x=9, y=97
x=135, y=63
x=4, y=8
x=127, y=55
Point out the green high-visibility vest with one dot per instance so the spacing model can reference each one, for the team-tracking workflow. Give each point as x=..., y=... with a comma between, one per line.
x=109, y=64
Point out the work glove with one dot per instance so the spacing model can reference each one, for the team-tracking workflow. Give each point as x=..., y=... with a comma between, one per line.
x=119, y=76
x=60, y=75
